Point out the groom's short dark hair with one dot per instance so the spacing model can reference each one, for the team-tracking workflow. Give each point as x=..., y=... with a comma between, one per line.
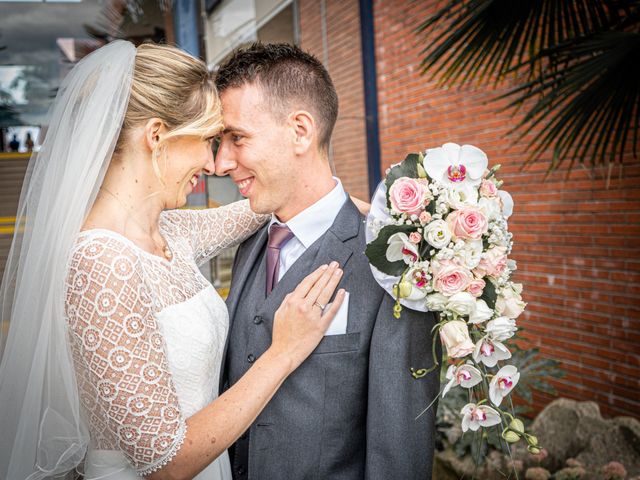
x=286, y=74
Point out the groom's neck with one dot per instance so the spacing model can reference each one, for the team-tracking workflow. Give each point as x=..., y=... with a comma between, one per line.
x=306, y=191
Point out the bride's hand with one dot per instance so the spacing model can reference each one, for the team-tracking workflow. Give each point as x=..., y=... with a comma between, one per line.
x=299, y=324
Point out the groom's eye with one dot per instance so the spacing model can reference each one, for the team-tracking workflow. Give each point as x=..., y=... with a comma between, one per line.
x=236, y=138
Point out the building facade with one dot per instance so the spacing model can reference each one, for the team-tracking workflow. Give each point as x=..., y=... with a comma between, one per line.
x=576, y=241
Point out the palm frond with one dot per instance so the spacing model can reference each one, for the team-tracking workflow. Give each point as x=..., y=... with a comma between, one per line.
x=589, y=106
x=505, y=32
x=577, y=63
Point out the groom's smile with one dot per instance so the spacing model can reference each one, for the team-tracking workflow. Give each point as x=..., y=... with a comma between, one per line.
x=244, y=185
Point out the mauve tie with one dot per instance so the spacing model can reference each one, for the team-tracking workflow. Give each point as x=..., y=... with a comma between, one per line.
x=279, y=235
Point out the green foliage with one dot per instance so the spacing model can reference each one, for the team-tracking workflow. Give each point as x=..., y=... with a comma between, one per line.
x=376, y=251
x=576, y=65
x=489, y=295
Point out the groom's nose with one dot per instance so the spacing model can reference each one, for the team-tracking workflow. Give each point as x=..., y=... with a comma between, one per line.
x=224, y=161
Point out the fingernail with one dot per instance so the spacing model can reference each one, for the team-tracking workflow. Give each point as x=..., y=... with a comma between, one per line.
x=334, y=264
x=324, y=267
x=338, y=272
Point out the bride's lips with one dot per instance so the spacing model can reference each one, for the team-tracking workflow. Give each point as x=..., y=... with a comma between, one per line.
x=244, y=185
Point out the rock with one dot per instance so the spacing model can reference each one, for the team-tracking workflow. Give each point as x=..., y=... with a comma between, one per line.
x=619, y=442
x=566, y=429
x=449, y=466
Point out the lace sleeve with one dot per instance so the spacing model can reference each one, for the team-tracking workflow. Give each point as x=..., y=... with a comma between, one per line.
x=123, y=375
x=214, y=229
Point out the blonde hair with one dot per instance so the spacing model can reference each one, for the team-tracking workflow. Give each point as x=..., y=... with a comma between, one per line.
x=175, y=87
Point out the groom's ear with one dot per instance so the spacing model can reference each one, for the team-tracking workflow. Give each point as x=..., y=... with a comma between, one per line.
x=304, y=131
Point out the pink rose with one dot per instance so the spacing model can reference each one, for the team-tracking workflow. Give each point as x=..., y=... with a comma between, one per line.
x=488, y=188
x=468, y=223
x=415, y=237
x=450, y=278
x=455, y=337
x=476, y=287
x=492, y=263
x=408, y=195
x=425, y=217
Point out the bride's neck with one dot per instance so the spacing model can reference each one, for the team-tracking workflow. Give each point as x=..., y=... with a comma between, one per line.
x=128, y=200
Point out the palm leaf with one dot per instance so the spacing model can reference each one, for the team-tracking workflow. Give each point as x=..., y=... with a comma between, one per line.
x=577, y=61
x=589, y=106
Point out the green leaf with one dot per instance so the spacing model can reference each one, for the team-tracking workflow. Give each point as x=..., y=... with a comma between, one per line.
x=376, y=251
x=489, y=294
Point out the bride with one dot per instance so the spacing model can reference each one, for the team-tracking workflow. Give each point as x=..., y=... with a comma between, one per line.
x=115, y=343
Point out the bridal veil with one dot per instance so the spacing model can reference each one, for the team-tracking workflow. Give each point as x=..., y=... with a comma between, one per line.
x=43, y=433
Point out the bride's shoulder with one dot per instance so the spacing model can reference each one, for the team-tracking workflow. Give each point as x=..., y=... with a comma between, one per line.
x=103, y=249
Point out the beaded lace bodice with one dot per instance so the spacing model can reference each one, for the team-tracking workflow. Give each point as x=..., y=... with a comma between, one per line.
x=147, y=334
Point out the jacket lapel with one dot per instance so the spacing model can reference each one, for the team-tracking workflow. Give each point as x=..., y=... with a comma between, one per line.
x=329, y=247
x=252, y=250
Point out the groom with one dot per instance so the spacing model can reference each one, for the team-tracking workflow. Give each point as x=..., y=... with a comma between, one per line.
x=349, y=411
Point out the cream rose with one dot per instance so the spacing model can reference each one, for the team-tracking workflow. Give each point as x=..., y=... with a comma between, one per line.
x=509, y=303
x=492, y=263
x=462, y=304
x=455, y=337
x=436, y=302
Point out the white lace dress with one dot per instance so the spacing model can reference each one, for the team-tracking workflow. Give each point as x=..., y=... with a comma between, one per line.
x=147, y=337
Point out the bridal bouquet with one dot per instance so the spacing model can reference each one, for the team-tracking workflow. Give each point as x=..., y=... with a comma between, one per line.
x=438, y=241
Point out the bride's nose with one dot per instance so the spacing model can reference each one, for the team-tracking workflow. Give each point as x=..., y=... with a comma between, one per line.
x=210, y=167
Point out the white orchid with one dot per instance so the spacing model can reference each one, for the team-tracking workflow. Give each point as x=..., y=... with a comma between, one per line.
x=476, y=416
x=501, y=328
x=415, y=284
x=466, y=376
x=400, y=248
x=456, y=166
x=502, y=383
x=490, y=352
x=507, y=203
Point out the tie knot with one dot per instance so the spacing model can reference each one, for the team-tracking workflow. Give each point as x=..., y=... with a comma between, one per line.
x=279, y=235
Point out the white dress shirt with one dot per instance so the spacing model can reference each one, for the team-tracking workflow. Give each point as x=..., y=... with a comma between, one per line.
x=309, y=225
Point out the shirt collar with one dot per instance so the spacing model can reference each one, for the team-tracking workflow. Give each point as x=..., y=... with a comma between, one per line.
x=314, y=221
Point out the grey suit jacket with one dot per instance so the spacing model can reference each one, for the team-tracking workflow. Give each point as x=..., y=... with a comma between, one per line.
x=349, y=411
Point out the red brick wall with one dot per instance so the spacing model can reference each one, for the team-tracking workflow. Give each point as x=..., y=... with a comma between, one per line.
x=344, y=62
x=576, y=242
